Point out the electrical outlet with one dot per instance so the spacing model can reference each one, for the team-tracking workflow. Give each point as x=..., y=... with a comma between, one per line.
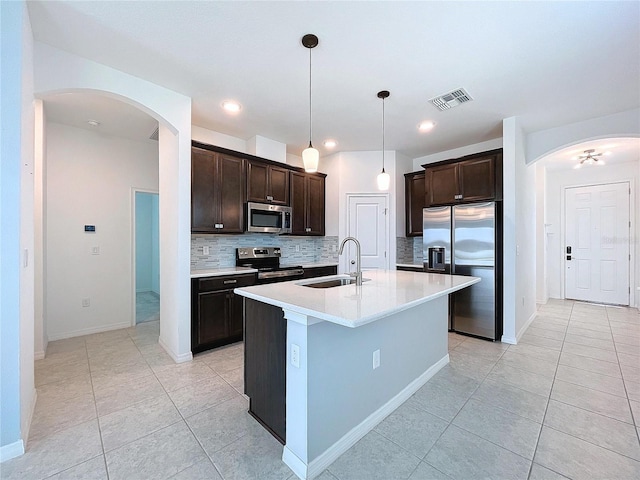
x=295, y=355
x=86, y=302
x=205, y=250
x=297, y=248
x=334, y=248
x=376, y=359
x=523, y=301
x=95, y=250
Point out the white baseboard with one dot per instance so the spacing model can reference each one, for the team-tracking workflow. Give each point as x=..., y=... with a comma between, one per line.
x=509, y=340
x=89, y=331
x=38, y=355
x=13, y=450
x=320, y=463
x=178, y=358
x=525, y=326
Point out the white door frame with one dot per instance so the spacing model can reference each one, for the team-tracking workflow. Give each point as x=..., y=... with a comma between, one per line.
x=632, y=217
x=343, y=263
x=135, y=190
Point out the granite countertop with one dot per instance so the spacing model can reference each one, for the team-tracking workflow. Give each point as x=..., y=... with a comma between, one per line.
x=385, y=293
x=217, y=272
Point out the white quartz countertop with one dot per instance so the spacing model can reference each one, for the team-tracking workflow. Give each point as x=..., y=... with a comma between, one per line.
x=385, y=293
x=218, y=272
x=410, y=265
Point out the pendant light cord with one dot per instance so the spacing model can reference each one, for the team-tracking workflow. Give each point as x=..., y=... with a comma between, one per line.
x=383, y=135
x=310, y=116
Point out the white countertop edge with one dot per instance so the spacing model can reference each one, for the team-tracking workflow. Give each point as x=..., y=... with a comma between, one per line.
x=347, y=323
x=410, y=265
x=218, y=272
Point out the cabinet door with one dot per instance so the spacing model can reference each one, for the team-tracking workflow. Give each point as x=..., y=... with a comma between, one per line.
x=257, y=182
x=213, y=311
x=414, y=203
x=298, y=204
x=442, y=185
x=278, y=185
x=236, y=315
x=230, y=184
x=203, y=192
x=315, y=205
x=477, y=179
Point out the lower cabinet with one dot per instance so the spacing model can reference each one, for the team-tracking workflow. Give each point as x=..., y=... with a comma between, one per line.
x=320, y=271
x=265, y=366
x=216, y=312
x=410, y=269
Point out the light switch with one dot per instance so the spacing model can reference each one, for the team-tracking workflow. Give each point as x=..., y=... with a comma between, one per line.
x=295, y=355
x=205, y=250
x=95, y=250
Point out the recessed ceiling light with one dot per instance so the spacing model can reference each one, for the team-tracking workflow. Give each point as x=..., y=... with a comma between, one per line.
x=330, y=143
x=231, y=106
x=607, y=153
x=93, y=123
x=426, y=126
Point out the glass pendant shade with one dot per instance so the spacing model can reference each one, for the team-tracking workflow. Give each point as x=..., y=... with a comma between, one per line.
x=383, y=180
x=310, y=157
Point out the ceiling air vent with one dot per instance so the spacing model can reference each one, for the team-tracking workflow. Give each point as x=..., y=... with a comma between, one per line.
x=154, y=135
x=451, y=99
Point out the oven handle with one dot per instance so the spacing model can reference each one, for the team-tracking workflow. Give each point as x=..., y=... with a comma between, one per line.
x=281, y=273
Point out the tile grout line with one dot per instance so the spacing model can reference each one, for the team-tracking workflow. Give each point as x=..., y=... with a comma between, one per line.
x=535, y=450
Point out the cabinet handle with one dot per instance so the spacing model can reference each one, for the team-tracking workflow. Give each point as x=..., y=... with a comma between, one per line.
x=307, y=229
x=228, y=282
x=270, y=198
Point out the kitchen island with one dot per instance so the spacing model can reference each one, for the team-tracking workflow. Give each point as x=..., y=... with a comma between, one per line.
x=323, y=366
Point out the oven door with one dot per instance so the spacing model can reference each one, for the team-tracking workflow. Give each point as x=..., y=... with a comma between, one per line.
x=264, y=218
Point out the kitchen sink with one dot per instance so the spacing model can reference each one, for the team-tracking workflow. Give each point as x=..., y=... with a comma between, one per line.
x=331, y=282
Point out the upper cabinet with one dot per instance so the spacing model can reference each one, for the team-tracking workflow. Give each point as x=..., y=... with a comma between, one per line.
x=267, y=183
x=472, y=178
x=217, y=192
x=307, y=203
x=414, y=202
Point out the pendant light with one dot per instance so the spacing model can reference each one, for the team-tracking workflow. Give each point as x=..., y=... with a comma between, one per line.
x=383, y=177
x=310, y=155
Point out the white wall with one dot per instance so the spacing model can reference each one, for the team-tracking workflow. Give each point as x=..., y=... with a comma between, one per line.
x=14, y=407
x=556, y=182
x=57, y=71
x=542, y=293
x=39, y=214
x=404, y=165
x=356, y=172
x=622, y=124
x=523, y=194
x=89, y=182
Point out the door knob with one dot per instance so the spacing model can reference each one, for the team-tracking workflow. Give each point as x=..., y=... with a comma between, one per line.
x=353, y=262
x=568, y=250
x=568, y=257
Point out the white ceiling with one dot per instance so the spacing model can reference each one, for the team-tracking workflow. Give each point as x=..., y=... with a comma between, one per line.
x=549, y=63
x=619, y=150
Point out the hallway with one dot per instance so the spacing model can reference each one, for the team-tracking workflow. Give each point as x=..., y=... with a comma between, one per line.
x=563, y=403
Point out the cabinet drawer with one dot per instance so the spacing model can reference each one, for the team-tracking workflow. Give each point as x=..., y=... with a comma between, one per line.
x=227, y=282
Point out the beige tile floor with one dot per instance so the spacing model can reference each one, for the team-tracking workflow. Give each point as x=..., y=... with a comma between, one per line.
x=563, y=403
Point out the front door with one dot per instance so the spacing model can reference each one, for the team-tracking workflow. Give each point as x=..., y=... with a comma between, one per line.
x=597, y=243
x=368, y=222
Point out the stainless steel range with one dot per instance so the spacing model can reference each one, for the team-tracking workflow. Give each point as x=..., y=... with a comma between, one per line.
x=267, y=261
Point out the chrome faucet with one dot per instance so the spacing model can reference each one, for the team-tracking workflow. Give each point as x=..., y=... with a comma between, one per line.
x=358, y=273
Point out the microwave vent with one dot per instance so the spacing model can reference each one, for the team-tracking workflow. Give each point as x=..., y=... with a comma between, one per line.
x=451, y=99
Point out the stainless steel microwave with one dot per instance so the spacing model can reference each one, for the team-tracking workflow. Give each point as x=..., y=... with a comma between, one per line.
x=266, y=218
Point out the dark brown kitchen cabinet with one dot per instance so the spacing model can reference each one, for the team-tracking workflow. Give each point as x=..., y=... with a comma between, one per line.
x=414, y=202
x=216, y=312
x=307, y=204
x=267, y=183
x=323, y=271
x=217, y=192
x=473, y=178
x=265, y=366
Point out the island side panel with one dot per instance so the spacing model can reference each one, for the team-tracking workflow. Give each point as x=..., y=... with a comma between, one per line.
x=344, y=389
x=265, y=365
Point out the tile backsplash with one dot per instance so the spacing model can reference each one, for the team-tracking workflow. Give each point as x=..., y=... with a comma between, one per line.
x=409, y=250
x=222, y=249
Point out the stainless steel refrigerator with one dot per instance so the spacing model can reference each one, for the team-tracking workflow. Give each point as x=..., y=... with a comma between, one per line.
x=467, y=240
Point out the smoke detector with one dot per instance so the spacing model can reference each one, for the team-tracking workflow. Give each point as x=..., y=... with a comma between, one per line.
x=451, y=99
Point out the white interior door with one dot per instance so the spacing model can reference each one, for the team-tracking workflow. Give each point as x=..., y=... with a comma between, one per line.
x=597, y=243
x=368, y=222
